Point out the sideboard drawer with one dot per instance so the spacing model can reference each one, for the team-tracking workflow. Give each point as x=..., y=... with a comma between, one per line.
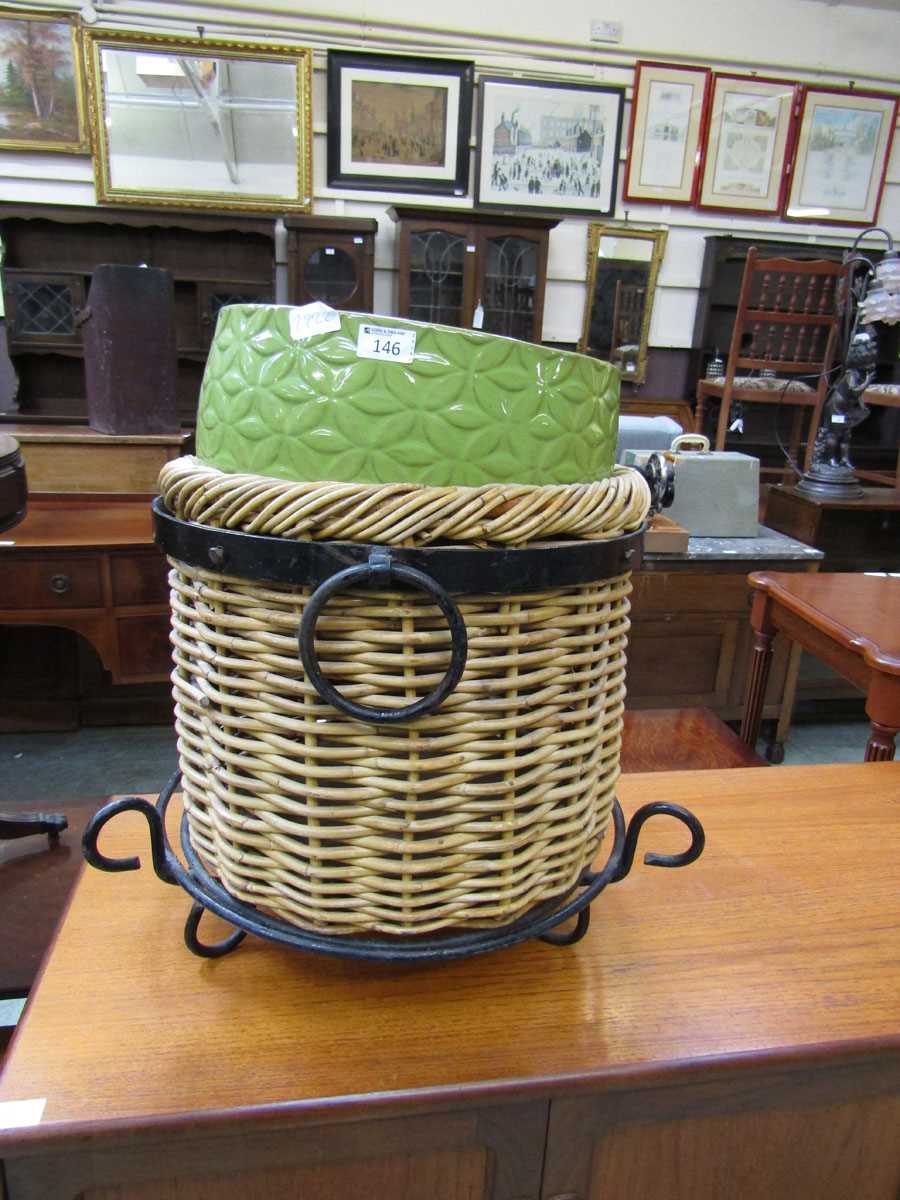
x=139, y=578
x=47, y=583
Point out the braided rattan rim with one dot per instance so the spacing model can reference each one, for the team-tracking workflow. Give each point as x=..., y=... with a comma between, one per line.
x=404, y=514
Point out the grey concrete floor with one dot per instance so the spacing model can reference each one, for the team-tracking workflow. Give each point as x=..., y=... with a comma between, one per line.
x=42, y=767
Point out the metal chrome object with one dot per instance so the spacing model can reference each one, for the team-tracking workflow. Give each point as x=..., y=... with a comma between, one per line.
x=542, y=922
x=659, y=472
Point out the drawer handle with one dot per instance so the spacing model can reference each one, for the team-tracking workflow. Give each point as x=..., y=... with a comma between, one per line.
x=60, y=584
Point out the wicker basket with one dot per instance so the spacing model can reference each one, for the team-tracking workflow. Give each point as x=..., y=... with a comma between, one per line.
x=465, y=817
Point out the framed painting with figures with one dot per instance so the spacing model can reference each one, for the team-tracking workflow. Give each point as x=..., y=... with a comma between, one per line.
x=667, y=114
x=840, y=157
x=399, y=124
x=748, y=138
x=42, y=103
x=548, y=147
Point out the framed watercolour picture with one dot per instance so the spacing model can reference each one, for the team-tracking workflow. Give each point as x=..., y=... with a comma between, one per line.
x=399, y=124
x=748, y=139
x=41, y=83
x=666, y=123
x=549, y=147
x=840, y=156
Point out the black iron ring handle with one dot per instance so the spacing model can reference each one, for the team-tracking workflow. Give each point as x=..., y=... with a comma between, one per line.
x=380, y=569
x=636, y=824
x=158, y=849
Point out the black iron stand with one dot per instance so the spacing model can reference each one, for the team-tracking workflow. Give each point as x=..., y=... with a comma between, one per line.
x=542, y=922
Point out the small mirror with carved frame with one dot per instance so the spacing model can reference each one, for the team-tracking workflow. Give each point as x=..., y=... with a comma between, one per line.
x=622, y=268
x=200, y=122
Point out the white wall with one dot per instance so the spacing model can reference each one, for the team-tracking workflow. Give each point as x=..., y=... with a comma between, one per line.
x=810, y=40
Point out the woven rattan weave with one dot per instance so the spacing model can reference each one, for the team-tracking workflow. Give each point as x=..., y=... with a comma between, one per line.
x=404, y=514
x=466, y=817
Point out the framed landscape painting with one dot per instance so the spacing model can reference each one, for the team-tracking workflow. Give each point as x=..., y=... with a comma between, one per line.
x=549, y=147
x=841, y=155
x=41, y=83
x=399, y=124
x=748, y=139
x=667, y=114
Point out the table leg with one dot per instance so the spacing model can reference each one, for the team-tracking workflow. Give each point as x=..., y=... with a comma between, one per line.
x=760, y=662
x=880, y=746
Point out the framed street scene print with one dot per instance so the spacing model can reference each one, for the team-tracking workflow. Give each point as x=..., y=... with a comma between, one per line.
x=549, y=147
x=666, y=123
x=41, y=83
x=748, y=139
x=399, y=124
x=840, y=157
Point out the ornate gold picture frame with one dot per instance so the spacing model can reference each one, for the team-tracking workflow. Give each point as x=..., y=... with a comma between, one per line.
x=622, y=269
x=200, y=123
x=42, y=97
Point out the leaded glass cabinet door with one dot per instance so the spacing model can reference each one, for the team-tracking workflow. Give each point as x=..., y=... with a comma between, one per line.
x=437, y=276
x=510, y=274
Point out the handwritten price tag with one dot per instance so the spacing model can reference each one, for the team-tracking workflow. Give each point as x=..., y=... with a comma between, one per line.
x=310, y=319
x=389, y=345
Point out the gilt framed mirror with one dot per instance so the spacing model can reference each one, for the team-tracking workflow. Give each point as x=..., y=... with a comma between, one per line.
x=200, y=123
x=623, y=265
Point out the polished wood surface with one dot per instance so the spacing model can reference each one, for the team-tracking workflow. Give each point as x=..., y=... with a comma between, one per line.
x=83, y=521
x=850, y=621
x=36, y=881
x=681, y=739
x=859, y=612
x=775, y=949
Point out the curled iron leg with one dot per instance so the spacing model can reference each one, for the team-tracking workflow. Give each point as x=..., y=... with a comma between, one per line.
x=202, y=949
x=633, y=832
x=164, y=862
x=568, y=937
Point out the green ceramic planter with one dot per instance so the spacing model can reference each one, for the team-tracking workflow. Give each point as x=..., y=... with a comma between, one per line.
x=471, y=408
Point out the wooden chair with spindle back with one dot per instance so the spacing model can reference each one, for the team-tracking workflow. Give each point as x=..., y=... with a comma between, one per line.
x=786, y=323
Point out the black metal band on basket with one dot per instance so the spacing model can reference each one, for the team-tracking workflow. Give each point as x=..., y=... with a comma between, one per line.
x=542, y=922
x=458, y=569
x=379, y=571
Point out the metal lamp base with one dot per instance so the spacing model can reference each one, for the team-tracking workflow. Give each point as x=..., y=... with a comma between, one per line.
x=824, y=481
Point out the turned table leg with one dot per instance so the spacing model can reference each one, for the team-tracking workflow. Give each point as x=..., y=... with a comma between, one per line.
x=760, y=662
x=880, y=746
x=883, y=710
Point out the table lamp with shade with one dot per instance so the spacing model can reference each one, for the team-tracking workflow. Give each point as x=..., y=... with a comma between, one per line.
x=871, y=294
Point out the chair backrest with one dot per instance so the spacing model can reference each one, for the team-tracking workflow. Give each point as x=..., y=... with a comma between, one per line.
x=786, y=319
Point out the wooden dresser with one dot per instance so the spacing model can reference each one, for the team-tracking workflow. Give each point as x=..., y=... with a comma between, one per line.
x=731, y=1029
x=89, y=564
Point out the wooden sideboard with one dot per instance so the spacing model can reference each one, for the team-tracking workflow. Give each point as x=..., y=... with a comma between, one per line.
x=89, y=564
x=729, y=1029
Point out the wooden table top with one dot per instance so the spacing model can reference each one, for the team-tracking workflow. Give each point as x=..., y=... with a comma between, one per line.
x=82, y=522
x=878, y=498
x=778, y=945
x=860, y=612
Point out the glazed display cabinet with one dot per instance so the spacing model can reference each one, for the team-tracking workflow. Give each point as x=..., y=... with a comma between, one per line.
x=471, y=269
x=331, y=259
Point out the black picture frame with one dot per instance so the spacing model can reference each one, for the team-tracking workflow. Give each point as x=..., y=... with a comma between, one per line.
x=549, y=114
x=357, y=82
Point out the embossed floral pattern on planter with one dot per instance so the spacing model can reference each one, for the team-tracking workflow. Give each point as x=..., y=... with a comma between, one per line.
x=471, y=408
